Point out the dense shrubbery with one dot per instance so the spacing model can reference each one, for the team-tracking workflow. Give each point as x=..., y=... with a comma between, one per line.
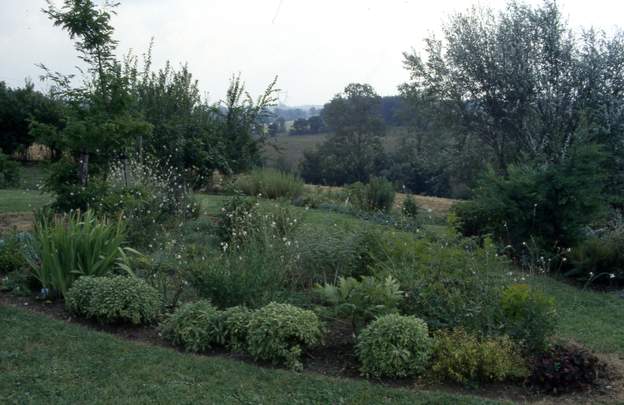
x=550, y=204
x=235, y=328
x=196, y=327
x=279, y=333
x=449, y=282
x=113, y=299
x=269, y=183
x=409, y=207
x=565, y=369
x=65, y=248
x=9, y=172
x=465, y=358
x=394, y=346
x=529, y=316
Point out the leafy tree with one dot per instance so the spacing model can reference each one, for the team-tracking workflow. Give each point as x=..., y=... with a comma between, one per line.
x=316, y=124
x=522, y=83
x=102, y=118
x=354, y=152
x=299, y=127
x=18, y=107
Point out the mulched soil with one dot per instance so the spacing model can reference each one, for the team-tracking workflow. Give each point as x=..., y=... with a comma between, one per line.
x=336, y=358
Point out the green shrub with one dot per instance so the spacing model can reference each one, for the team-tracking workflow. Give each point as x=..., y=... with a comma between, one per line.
x=464, y=358
x=195, y=326
x=253, y=276
x=238, y=221
x=280, y=332
x=599, y=259
x=9, y=172
x=11, y=257
x=362, y=300
x=269, y=183
x=377, y=195
x=529, y=316
x=113, y=299
x=65, y=248
x=235, y=328
x=410, y=208
x=394, y=346
x=326, y=254
x=550, y=204
x=448, y=282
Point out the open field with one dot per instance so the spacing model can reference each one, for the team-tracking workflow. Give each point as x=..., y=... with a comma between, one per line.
x=291, y=147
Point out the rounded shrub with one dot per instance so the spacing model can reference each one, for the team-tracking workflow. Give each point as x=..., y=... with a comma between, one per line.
x=529, y=316
x=279, y=333
x=195, y=326
x=235, y=328
x=464, y=358
x=394, y=346
x=114, y=299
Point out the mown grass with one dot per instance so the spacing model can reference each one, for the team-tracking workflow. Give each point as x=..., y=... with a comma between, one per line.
x=593, y=318
x=49, y=361
x=17, y=200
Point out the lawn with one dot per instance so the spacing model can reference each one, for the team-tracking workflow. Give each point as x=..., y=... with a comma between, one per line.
x=49, y=361
x=19, y=200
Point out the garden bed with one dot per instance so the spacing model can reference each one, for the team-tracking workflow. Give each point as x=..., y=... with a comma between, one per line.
x=336, y=359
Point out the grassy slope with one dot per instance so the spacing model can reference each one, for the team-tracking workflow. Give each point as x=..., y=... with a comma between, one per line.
x=49, y=361
x=16, y=200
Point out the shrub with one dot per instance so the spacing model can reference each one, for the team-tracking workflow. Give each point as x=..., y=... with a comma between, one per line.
x=280, y=332
x=394, y=346
x=253, y=276
x=448, y=282
x=325, y=254
x=548, y=203
x=114, y=299
x=464, y=358
x=529, y=316
x=362, y=300
x=65, y=248
x=235, y=327
x=238, y=221
x=269, y=183
x=377, y=195
x=410, y=208
x=11, y=257
x=9, y=172
x=599, y=259
x=565, y=369
x=195, y=326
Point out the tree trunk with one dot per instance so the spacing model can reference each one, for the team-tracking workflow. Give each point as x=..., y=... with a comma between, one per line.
x=83, y=169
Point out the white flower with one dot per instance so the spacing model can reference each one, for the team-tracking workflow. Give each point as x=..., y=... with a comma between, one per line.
x=611, y=275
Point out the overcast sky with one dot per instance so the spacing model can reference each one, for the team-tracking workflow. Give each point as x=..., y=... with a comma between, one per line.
x=315, y=47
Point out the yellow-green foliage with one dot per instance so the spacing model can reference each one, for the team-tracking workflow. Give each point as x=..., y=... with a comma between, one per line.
x=394, y=346
x=114, y=299
x=463, y=358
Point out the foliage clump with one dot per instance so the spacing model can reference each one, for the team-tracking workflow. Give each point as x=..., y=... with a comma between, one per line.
x=394, y=346
x=9, y=172
x=66, y=247
x=196, y=327
x=529, y=316
x=235, y=328
x=465, y=358
x=376, y=195
x=280, y=332
x=114, y=299
x=269, y=183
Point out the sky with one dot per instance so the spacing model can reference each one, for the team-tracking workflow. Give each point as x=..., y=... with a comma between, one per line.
x=315, y=47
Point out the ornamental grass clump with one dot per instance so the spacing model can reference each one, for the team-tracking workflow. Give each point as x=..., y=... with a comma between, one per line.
x=67, y=247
